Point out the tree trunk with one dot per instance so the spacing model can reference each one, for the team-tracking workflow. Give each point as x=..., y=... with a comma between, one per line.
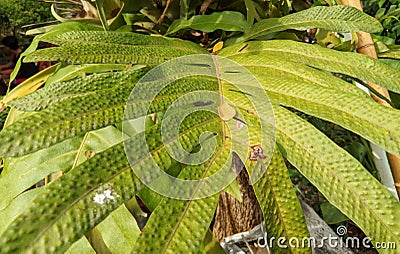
x=233, y=216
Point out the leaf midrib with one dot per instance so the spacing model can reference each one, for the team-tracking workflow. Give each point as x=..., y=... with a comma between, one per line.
x=278, y=207
x=169, y=240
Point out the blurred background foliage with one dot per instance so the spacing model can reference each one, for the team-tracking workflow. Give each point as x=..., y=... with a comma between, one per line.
x=16, y=14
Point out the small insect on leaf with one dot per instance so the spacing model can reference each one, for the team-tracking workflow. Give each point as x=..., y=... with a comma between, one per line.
x=226, y=112
x=89, y=154
x=257, y=153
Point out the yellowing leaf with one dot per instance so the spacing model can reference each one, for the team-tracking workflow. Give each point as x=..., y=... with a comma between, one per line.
x=218, y=46
x=28, y=86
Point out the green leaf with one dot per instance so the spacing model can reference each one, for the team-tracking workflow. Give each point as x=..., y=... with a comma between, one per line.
x=293, y=74
x=338, y=18
x=283, y=215
x=96, y=142
x=131, y=18
x=82, y=246
x=394, y=63
x=179, y=226
x=350, y=185
x=32, y=168
x=57, y=208
x=29, y=85
x=119, y=231
x=72, y=71
x=95, y=239
x=56, y=30
x=393, y=53
x=278, y=67
x=108, y=171
x=307, y=91
x=234, y=190
x=175, y=222
x=112, y=48
x=40, y=30
x=78, y=87
x=358, y=150
x=227, y=21
x=16, y=207
x=92, y=111
x=102, y=14
x=251, y=11
x=368, y=69
x=185, y=4
x=211, y=245
x=87, y=113
x=331, y=214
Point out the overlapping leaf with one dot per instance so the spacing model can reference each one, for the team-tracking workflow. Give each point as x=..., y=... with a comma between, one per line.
x=79, y=87
x=355, y=65
x=181, y=225
x=72, y=71
x=55, y=211
x=50, y=224
x=227, y=21
x=349, y=186
x=308, y=92
x=54, y=31
x=94, y=110
x=32, y=168
x=82, y=246
x=119, y=231
x=339, y=18
x=283, y=215
x=28, y=86
x=112, y=47
x=57, y=208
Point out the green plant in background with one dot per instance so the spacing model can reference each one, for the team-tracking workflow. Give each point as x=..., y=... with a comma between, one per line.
x=73, y=125
x=14, y=15
x=388, y=13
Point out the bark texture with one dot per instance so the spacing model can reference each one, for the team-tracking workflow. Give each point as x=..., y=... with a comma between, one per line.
x=233, y=216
